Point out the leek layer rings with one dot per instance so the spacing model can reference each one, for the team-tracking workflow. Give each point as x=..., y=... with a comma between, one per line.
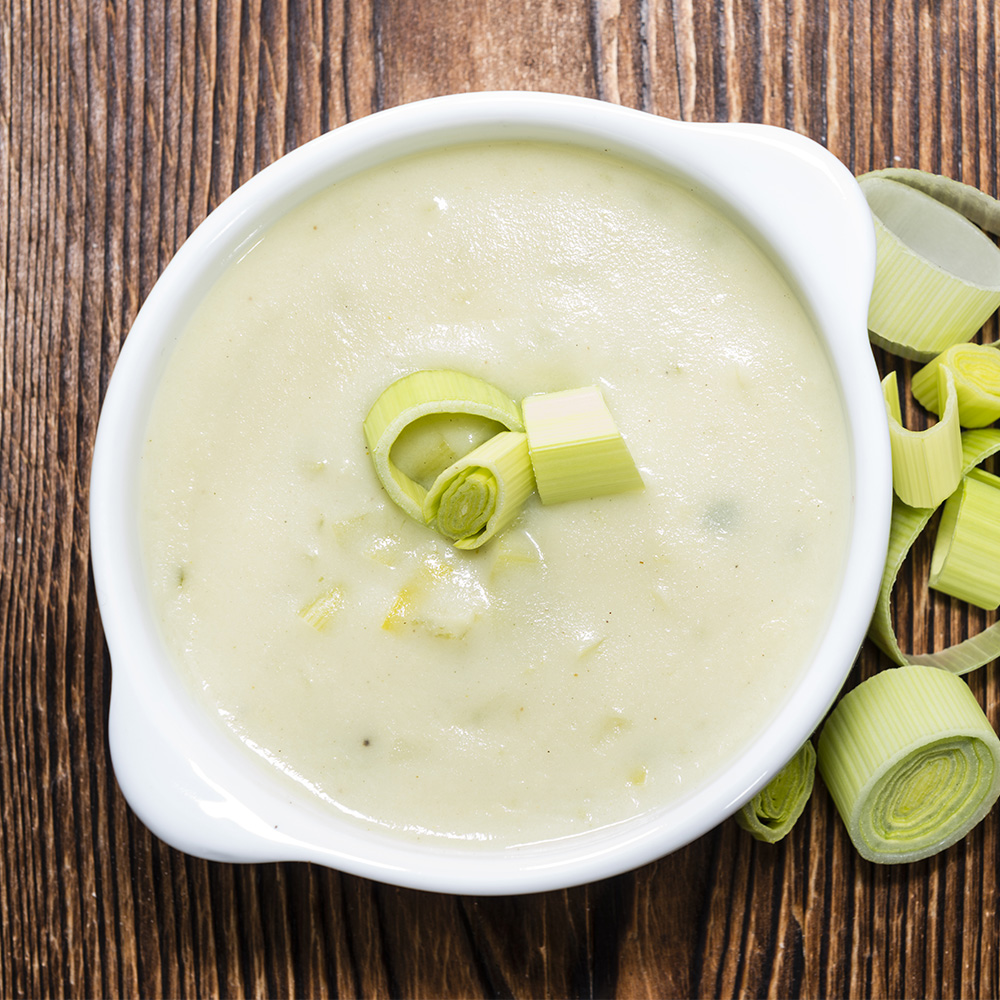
x=911, y=762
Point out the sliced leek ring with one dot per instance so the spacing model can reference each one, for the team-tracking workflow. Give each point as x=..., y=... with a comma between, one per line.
x=976, y=370
x=421, y=394
x=937, y=276
x=576, y=449
x=775, y=809
x=911, y=762
x=966, y=559
x=907, y=524
x=482, y=492
x=926, y=465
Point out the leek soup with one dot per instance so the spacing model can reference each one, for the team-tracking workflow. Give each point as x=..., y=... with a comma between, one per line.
x=598, y=658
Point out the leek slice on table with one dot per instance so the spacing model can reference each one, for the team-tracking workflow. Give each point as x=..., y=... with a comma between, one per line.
x=911, y=762
x=926, y=465
x=775, y=809
x=966, y=559
x=421, y=394
x=482, y=492
x=937, y=275
x=976, y=371
x=907, y=524
x=575, y=447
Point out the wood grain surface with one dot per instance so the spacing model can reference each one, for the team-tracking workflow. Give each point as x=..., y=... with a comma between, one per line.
x=122, y=124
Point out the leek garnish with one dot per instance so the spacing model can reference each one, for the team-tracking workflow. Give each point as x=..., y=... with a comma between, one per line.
x=321, y=611
x=937, y=276
x=907, y=524
x=912, y=763
x=966, y=559
x=926, y=465
x=421, y=394
x=976, y=370
x=775, y=809
x=576, y=449
x=481, y=493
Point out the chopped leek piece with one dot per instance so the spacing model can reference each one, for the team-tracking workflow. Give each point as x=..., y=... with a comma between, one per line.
x=966, y=559
x=443, y=599
x=775, y=809
x=911, y=762
x=418, y=395
x=907, y=524
x=481, y=493
x=319, y=613
x=926, y=465
x=976, y=370
x=576, y=450
x=937, y=276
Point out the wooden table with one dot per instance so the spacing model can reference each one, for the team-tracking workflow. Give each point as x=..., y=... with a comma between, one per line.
x=122, y=124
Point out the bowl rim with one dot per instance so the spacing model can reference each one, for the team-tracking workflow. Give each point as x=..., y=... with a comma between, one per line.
x=175, y=774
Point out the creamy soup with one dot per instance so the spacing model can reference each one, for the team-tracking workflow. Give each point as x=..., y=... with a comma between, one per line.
x=598, y=659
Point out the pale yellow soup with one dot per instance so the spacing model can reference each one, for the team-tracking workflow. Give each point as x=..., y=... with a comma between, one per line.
x=602, y=657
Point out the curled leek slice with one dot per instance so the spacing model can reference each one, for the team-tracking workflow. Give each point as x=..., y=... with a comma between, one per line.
x=907, y=524
x=482, y=492
x=575, y=447
x=976, y=370
x=775, y=809
x=926, y=465
x=937, y=276
x=966, y=559
x=912, y=763
x=421, y=394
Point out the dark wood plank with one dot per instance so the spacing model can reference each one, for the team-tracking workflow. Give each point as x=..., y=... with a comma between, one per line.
x=121, y=126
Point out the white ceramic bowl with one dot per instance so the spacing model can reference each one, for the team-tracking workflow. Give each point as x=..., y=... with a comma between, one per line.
x=189, y=781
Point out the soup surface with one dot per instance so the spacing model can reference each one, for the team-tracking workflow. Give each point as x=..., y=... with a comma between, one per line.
x=600, y=658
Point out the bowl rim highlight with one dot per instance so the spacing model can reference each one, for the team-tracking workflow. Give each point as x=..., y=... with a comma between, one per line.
x=188, y=780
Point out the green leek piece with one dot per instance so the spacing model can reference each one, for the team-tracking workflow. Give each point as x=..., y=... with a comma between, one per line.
x=966, y=559
x=575, y=447
x=907, y=524
x=911, y=762
x=480, y=494
x=976, y=370
x=937, y=276
x=926, y=465
x=418, y=395
x=320, y=612
x=775, y=809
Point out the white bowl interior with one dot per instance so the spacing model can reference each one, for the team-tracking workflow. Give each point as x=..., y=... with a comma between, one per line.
x=198, y=790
